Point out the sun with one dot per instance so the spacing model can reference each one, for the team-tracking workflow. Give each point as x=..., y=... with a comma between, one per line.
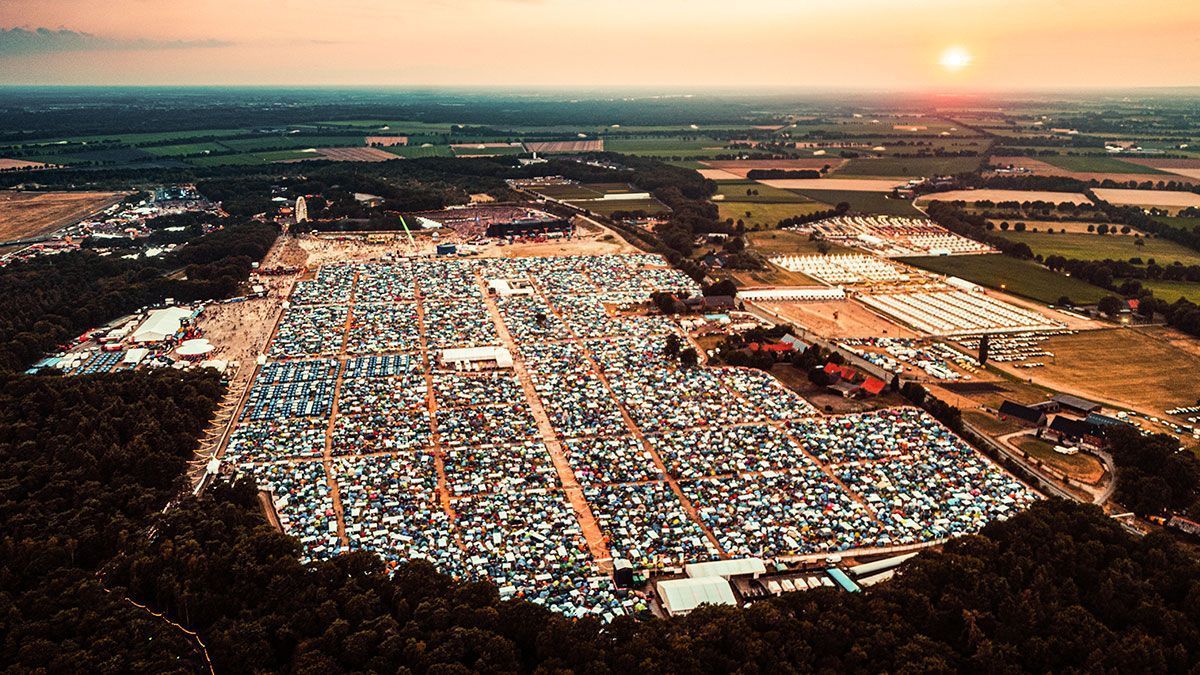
x=955, y=59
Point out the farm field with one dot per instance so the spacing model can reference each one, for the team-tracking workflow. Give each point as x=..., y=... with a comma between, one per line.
x=1165, y=199
x=486, y=150
x=649, y=206
x=1061, y=226
x=760, y=215
x=246, y=159
x=909, y=167
x=1097, y=164
x=1172, y=290
x=7, y=164
x=667, y=147
x=1189, y=168
x=1021, y=277
x=970, y=196
x=1105, y=247
x=550, y=147
x=183, y=149
x=415, y=151
x=1178, y=222
x=741, y=167
x=865, y=202
x=1097, y=364
x=783, y=242
x=30, y=214
x=737, y=192
x=290, y=142
x=846, y=184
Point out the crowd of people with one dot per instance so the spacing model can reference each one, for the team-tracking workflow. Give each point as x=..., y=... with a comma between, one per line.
x=453, y=467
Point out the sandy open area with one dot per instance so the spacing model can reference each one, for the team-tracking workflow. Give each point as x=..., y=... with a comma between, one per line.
x=1006, y=196
x=851, y=184
x=29, y=214
x=718, y=174
x=1163, y=198
x=7, y=164
x=836, y=319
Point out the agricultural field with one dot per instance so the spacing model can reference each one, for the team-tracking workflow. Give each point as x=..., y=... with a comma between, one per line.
x=869, y=203
x=290, y=142
x=415, y=151
x=30, y=214
x=184, y=149
x=1020, y=277
x=909, y=167
x=1178, y=222
x=758, y=215
x=1172, y=290
x=1164, y=199
x=1098, y=364
x=691, y=147
x=252, y=158
x=648, y=206
x=833, y=183
x=1105, y=247
x=486, y=150
x=783, y=242
x=1097, y=164
x=970, y=196
x=749, y=191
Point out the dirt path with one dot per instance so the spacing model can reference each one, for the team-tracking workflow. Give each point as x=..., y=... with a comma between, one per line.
x=583, y=511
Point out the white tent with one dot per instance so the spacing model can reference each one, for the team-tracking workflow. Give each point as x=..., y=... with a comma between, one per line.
x=726, y=568
x=680, y=596
x=161, y=324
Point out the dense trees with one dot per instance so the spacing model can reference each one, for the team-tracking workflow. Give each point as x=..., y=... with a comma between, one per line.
x=46, y=301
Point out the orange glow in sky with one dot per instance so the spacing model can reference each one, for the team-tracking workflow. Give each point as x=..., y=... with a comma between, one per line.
x=984, y=44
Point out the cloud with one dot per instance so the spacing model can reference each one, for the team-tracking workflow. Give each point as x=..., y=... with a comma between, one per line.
x=19, y=41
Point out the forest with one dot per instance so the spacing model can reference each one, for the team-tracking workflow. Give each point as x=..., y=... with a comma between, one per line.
x=48, y=300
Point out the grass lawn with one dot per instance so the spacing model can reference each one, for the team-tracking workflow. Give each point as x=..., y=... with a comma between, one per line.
x=650, y=206
x=1173, y=290
x=415, y=151
x=1178, y=222
x=909, y=166
x=735, y=191
x=782, y=242
x=1097, y=164
x=1081, y=466
x=1022, y=277
x=870, y=203
x=1105, y=247
x=758, y=215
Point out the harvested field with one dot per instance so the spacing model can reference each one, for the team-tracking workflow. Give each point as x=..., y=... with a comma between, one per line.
x=718, y=174
x=837, y=319
x=970, y=196
x=840, y=184
x=30, y=214
x=387, y=141
x=347, y=155
x=741, y=167
x=1098, y=365
x=17, y=164
x=551, y=147
x=1189, y=168
x=1061, y=226
x=1083, y=168
x=1161, y=198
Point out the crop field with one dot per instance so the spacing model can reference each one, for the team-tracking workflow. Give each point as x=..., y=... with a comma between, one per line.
x=749, y=191
x=1189, y=168
x=1179, y=222
x=842, y=184
x=9, y=164
x=135, y=139
x=870, y=203
x=252, y=158
x=105, y=156
x=1061, y=226
x=741, y=167
x=1105, y=247
x=353, y=154
x=970, y=196
x=1172, y=290
x=290, y=142
x=783, y=242
x=649, y=206
x=667, y=147
x=551, y=147
x=909, y=167
x=184, y=149
x=29, y=214
x=486, y=150
x=1098, y=364
x=1097, y=164
x=760, y=215
x=396, y=126
x=416, y=151
x=1165, y=199
x=1020, y=277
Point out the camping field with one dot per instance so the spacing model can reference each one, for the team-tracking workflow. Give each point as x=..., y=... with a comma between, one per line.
x=1021, y=277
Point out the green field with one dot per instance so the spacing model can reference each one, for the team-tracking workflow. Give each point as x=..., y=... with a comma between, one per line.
x=394, y=126
x=1105, y=247
x=415, y=151
x=650, y=206
x=736, y=191
x=252, y=158
x=186, y=149
x=1178, y=222
x=488, y=152
x=1021, y=277
x=757, y=215
x=1097, y=164
x=667, y=147
x=1173, y=290
x=782, y=242
x=292, y=142
x=135, y=139
x=864, y=202
x=909, y=167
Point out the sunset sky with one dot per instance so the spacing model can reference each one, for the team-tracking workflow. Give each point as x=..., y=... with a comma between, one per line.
x=688, y=43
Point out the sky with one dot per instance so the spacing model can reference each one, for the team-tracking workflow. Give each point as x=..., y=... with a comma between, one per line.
x=869, y=44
